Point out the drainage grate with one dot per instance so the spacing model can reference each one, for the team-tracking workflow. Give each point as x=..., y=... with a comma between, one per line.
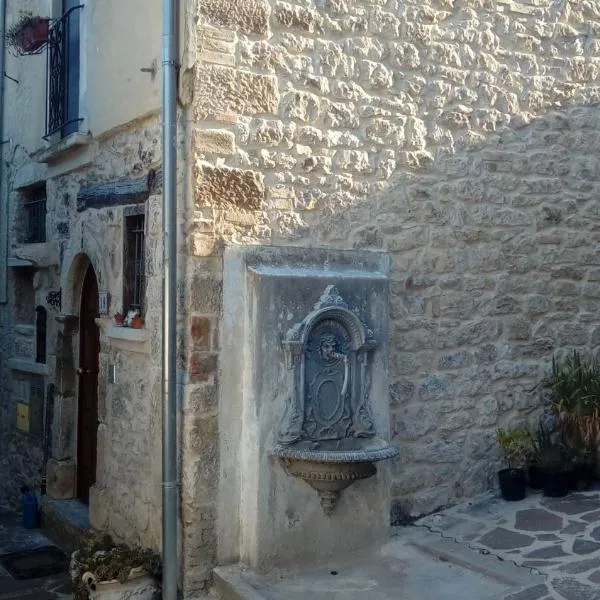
x=41, y=562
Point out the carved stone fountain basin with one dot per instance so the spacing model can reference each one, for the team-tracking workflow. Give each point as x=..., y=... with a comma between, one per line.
x=330, y=466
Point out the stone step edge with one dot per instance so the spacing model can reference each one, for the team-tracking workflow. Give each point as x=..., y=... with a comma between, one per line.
x=231, y=584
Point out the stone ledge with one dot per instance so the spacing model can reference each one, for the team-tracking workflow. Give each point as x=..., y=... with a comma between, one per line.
x=30, y=175
x=64, y=147
x=125, y=338
x=26, y=330
x=27, y=366
x=127, y=333
x=35, y=255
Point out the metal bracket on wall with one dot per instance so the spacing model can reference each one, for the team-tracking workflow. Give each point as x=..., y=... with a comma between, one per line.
x=55, y=299
x=11, y=78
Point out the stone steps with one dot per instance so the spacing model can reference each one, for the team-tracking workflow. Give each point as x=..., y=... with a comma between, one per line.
x=65, y=522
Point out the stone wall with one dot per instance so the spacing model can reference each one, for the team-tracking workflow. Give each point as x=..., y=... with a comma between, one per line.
x=459, y=136
x=126, y=499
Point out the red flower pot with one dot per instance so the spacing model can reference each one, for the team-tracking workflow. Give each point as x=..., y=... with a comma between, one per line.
x=35, y=36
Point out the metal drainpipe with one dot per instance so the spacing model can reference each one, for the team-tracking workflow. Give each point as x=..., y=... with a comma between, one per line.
x=4, y=291
x=170, y=522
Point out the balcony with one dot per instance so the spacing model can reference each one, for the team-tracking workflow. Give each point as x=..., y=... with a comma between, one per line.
x=62, y=75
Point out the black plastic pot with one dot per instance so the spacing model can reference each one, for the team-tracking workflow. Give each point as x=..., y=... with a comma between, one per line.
x=512, y=484
x=556, y=483
x=536, y=477
x=581, y=477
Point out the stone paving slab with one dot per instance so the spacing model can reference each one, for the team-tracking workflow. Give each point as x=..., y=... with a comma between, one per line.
x=414, y=565
x=15, y=538
x=557, y=537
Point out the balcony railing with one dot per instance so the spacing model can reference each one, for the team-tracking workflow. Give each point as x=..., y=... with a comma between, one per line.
x=62, y=74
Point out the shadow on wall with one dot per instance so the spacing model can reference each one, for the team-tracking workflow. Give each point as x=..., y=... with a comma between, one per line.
x=496, y=267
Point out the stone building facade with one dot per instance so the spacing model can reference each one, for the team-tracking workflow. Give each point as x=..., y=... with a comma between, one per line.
x=460, y=137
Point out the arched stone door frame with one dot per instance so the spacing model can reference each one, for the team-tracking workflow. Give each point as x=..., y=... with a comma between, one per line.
x=83, y=251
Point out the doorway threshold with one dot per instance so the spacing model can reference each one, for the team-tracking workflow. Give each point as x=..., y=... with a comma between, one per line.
x=65, y=522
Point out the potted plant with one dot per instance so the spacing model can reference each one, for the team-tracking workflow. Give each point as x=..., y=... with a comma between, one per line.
x=103, y=570
x=574, y=385
x=28, y=34
x=551, y=456
x=582, y=459
x=517, y=447
x=137, y=322
x=120, y=319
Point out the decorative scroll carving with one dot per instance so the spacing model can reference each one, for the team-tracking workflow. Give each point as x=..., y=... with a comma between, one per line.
x=55, y=299
x=329, y=355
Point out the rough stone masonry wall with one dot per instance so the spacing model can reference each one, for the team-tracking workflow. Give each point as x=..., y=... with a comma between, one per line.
x=462, y=137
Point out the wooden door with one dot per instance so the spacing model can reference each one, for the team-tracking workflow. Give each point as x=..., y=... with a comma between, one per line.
x=87, y=416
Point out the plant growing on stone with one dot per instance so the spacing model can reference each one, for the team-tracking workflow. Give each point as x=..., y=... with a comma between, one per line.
x=575, y=395
x=99, y=557
x=517, y=445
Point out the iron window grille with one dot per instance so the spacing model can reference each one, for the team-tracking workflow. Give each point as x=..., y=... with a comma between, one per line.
x=134, y=271
x=35, y=217
x=62, y=74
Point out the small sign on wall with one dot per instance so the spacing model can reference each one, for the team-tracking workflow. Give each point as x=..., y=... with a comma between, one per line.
x=23, y=417
x=103, y=303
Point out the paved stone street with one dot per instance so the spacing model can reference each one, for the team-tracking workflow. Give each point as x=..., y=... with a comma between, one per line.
x=14, y=538
x=559, y=538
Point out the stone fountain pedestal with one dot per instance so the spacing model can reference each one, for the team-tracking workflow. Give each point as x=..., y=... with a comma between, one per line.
x=304, y=406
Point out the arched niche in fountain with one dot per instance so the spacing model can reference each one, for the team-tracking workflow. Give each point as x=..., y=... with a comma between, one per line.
x=329, y=353
x=327, y=436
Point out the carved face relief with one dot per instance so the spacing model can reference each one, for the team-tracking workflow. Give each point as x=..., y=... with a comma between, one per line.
x=328, y=353
x=327, y=410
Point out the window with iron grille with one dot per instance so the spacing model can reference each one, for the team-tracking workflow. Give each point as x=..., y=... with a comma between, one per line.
x=35, y=216
x=62, y=71
x=134, y=280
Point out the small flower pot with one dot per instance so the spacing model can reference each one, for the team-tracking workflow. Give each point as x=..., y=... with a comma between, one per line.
x=536, y=477
x=581, y=476
x=512, y=484
x=139, y=585
x=556, y=483
x=137, y=322
x=120, y=319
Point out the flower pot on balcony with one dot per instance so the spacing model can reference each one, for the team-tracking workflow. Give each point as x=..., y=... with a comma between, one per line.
x=28, y=34
x=35, y=35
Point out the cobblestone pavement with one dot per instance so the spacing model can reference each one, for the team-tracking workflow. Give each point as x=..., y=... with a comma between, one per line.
x=14, y=538
x=557, y=537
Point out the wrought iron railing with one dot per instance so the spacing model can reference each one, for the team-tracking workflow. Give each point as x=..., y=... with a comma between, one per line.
x=62, y=74
x=35, y=218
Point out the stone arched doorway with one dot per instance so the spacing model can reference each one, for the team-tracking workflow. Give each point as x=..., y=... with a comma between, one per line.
x=71, y=469
x=87, y=372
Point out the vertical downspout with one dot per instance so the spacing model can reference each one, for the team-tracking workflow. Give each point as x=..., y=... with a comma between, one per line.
x=4, y=217
x=169, y=424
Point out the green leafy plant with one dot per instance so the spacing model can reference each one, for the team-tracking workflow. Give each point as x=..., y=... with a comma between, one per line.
x=108, y=561
x=517, y=445
x=550, y=449
x=575, y=395
x=579, y=453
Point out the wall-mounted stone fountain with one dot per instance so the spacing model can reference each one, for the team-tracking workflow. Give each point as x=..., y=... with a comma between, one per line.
x=303, y=392
x=327, y=436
